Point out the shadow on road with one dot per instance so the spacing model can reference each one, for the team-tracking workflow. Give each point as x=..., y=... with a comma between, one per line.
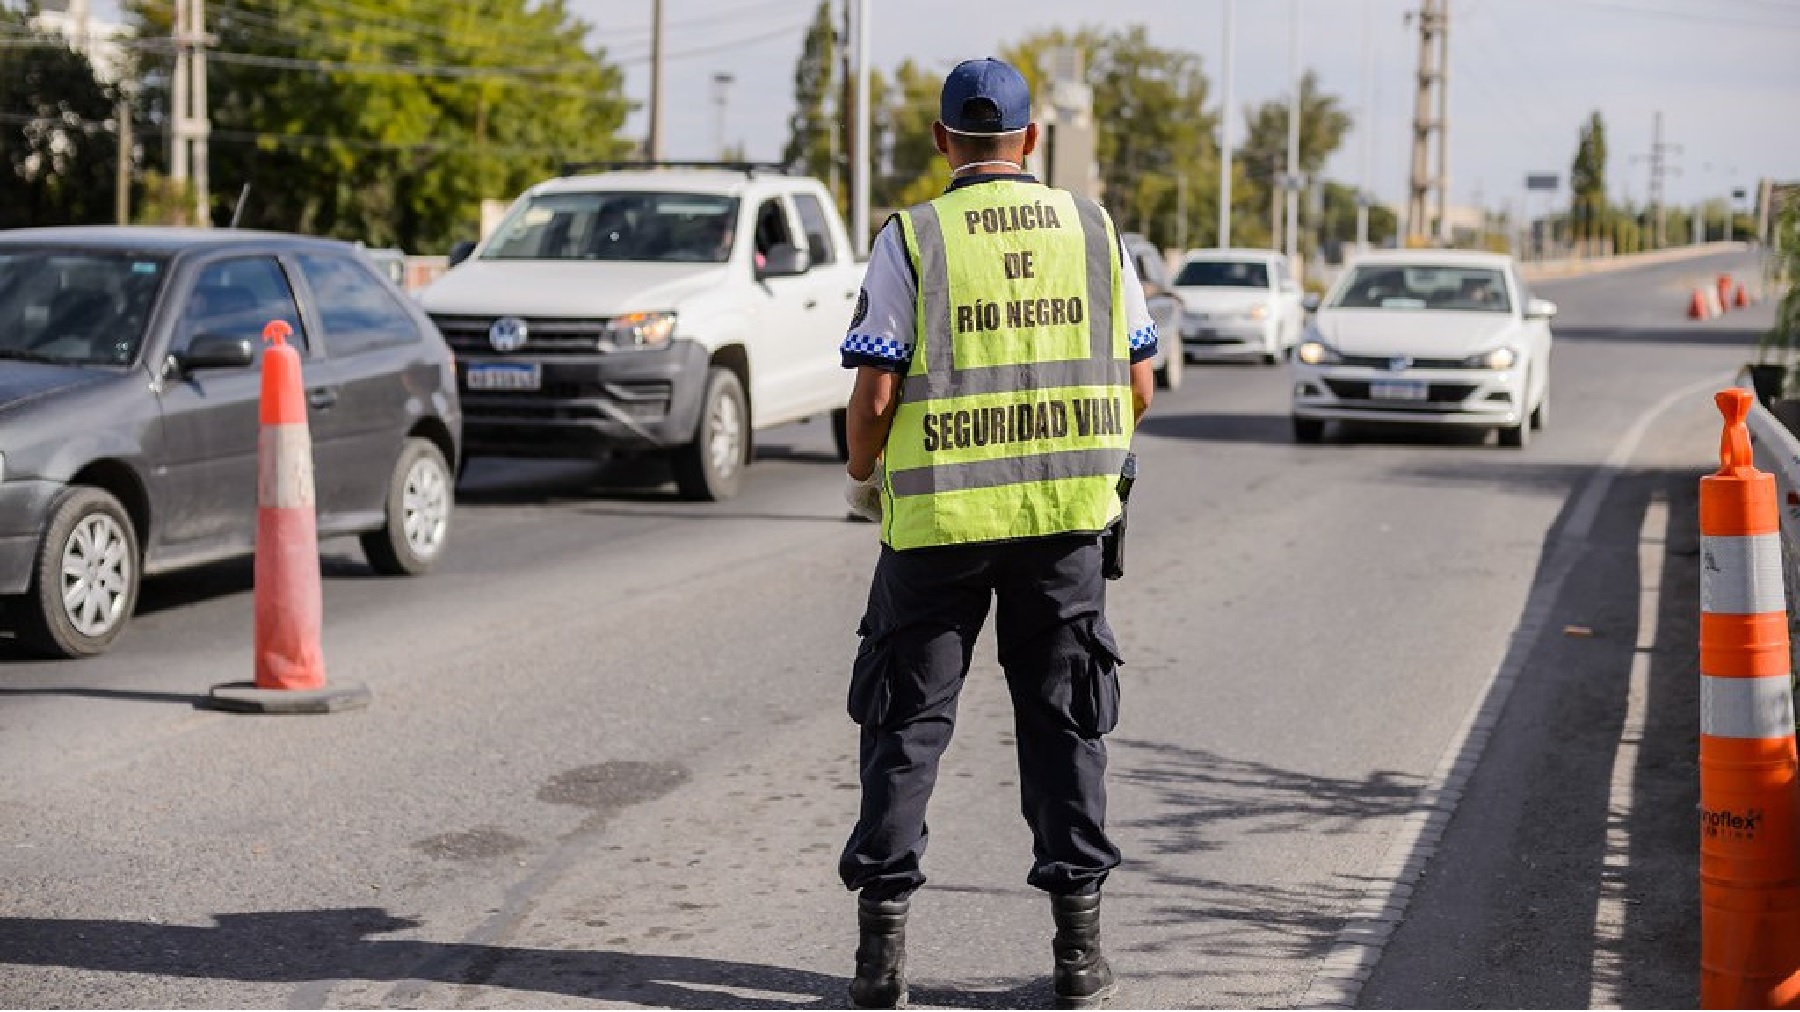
x=324, y=946
x=1696, y=334
x=1278, y=430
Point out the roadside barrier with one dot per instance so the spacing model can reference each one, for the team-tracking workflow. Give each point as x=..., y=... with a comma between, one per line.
x=290, y=660
x=1749, y=774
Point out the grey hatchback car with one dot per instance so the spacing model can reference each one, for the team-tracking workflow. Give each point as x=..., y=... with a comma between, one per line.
x=129, y=426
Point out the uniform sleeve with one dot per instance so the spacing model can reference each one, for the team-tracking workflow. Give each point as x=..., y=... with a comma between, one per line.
x=882, y=333
x=1139, y=324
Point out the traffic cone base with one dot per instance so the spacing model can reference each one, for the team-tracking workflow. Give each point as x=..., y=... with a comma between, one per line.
x=245, y=697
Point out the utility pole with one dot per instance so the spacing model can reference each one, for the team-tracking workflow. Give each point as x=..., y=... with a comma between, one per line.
x=1659, y=171
x=122, y=177
x=859, y=173
x=1292, y=247
x=653, y=143
x=1445, y=233
x=1181, y=211
x=1364, y=195
x=191, y=125
x=843, y=126
x=1227, y=142
x=1429, y=85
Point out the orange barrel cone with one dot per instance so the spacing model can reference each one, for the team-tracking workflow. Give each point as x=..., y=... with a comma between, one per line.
x=290, y=662
x=1749, y=869
x=1743, y=297
x=1724, y=290
x=1697, y=305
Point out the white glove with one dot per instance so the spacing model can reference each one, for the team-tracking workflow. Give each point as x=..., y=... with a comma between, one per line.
x=864, y=497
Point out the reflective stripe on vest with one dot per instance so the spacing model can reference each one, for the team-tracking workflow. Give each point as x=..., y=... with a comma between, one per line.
x=1016, y=411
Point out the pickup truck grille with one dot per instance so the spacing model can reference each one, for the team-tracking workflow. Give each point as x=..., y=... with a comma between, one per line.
x=468, y=335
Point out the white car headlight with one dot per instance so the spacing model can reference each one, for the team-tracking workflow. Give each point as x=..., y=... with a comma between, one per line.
x=1499, y=360
x=640, y=330
x=1317, y=353
x=1257, y=313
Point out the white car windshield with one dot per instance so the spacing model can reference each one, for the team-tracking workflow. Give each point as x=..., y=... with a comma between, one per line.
x=649, y=227
x=1223, y=274
x=1423, y=287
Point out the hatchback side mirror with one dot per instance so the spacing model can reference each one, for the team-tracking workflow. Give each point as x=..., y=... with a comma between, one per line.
x=784, y=260
x=1540, y=309
x=216, y=351
x=461, y=252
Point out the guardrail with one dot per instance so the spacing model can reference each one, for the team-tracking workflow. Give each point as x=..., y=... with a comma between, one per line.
x=1778, y=452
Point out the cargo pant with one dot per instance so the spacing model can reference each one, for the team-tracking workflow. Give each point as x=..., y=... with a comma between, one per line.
x=926, y=607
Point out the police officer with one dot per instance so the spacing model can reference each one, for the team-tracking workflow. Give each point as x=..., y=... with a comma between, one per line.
x=1001, y=348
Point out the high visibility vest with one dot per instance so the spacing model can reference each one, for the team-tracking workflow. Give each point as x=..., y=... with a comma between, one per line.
x=1016, y=412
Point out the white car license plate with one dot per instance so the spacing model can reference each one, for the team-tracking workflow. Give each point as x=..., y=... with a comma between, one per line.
x=1398, y=390
x=507, y=376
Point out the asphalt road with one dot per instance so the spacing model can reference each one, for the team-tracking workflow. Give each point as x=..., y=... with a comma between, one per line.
x=608, y=763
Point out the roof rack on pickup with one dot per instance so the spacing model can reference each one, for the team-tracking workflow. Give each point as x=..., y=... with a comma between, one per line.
x=747, y=168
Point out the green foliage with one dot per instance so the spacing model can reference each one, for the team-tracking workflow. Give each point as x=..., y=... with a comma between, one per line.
x=389, y=121
x=1339, y=219
x=58, y=148
x=1323, y=124
x=1587, y=181
x=1783, y=271
x=818, y=99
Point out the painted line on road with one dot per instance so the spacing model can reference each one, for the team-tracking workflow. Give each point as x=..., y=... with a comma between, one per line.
x=1370, y=924
x=1611, y=912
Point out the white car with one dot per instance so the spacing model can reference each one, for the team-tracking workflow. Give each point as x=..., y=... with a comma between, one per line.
x=1237, y=303
x=671, y=309
x=1431, y=337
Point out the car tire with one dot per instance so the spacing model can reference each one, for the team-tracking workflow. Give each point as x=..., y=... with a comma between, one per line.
x=91, y=531
x=1308, y=430
x=1517, y=437
x=420, y=500
x=1174, y=367
x=711, y=467
x=1540, y=416
x=840, y=433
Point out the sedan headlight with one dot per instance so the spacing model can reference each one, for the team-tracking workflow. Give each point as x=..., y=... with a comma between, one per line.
x=1257, y=313
x=1317, y=353
x=1499, y=360
x=640, y=330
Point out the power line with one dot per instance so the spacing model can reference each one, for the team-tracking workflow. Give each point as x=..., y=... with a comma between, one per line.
x=1714, y=18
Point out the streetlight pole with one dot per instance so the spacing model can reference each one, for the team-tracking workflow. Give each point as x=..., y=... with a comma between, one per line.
x=859, y=171
x=721, y=97
x=653, y=144
x=1227, y=116
x=1292, y=182
x=1368, y=161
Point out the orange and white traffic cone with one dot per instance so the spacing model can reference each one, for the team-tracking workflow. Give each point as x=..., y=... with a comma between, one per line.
x=1749, y=869
x=1724, y=285
x=1743, y=297
x=1698, y=306
x=290, y=661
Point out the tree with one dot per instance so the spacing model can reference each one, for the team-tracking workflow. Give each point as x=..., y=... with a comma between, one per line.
x=1338, y=227
x=389, y=121
x=1323, y=124
x=1587, y=181
x=910, y=168
x=817, y=100
x=58, y=146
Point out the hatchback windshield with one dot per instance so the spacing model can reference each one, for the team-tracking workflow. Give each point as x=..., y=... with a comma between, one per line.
x=1223, y=274
x=77, y=307
x=653, y=227
x=1422, y=287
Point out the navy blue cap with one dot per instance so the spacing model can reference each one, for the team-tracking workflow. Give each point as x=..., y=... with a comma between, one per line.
x=985, y=97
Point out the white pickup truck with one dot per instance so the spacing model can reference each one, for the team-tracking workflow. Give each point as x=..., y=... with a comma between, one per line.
x=660, y=308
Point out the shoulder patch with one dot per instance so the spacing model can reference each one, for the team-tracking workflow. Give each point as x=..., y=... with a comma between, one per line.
x=862, y=309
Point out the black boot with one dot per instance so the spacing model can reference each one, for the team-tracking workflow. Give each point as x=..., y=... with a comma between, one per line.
x=880, y=955
x=1083, y=979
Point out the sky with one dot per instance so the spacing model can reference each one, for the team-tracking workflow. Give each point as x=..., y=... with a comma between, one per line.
x=1524, y=76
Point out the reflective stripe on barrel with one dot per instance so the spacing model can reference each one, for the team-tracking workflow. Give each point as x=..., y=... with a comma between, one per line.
x=284, y=478
x=1746, y=707
x=1741, y=575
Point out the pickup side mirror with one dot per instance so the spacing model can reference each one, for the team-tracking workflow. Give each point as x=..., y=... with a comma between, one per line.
x=784, y=260
x=1310, y=302
x=1540, y=309
x=460, y=252
x=216, y=351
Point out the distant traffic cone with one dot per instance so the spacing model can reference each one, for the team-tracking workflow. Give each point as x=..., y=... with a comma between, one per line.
x=1724, y=292
x=1698, y=306
x=1749, y=869
x=1743, y=297
x=290, y=661
x=1715, y=306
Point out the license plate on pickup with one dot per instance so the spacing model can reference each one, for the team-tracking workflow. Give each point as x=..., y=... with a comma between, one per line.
x=1398, y=390
x=507, y=376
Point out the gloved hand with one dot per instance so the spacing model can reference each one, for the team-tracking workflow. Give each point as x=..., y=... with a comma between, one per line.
x=864, y=497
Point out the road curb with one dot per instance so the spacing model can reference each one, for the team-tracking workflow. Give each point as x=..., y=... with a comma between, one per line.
x=1370, y=924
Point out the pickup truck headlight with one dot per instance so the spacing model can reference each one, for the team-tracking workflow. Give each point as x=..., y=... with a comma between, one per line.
x=640, y=330
x=1257, y=313
x=1499, y=360
x=1317, y=353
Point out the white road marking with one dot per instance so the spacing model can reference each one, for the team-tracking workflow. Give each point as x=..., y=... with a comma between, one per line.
x=1611, y=913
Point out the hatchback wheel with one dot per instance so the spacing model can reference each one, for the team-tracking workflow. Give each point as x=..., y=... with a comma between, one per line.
x=421, y=496
x=84, y=585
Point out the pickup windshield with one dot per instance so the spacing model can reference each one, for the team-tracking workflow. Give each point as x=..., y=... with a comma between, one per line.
x=75, y=307
x=1423, y=287
x=634, y=225
x=1223, y=274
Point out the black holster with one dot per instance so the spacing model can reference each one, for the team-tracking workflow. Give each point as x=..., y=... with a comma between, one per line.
x=1112, y=548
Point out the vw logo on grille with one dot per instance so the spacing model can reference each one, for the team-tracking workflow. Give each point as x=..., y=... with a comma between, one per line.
x=508, y=334
x=1399, y=363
